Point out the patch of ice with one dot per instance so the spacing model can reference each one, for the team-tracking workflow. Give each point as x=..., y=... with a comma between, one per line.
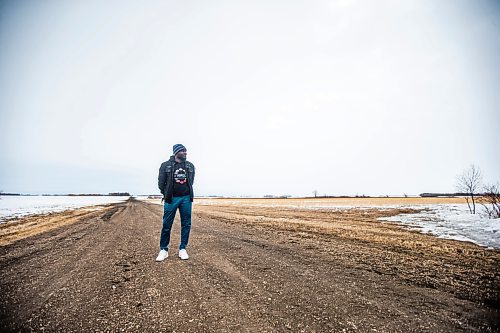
x=453, y=221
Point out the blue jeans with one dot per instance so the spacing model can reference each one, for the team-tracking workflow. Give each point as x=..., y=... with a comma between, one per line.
x=169, y=209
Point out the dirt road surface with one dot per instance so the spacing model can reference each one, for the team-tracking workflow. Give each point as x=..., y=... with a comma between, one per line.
x=248, y=272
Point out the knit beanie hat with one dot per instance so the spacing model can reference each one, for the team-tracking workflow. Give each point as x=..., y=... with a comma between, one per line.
x=178, y=147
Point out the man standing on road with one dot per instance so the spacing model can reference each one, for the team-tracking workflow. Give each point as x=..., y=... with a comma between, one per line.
x=175, y=181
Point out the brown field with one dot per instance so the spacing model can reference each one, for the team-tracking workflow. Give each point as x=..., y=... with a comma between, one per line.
x=257, y=265
x=378, y=201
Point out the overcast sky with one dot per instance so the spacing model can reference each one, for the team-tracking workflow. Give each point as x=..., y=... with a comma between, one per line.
x=269, y=97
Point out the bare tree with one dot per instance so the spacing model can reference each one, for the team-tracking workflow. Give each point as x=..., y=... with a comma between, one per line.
x=315, y=192
x=469, y=183
x=491, y=200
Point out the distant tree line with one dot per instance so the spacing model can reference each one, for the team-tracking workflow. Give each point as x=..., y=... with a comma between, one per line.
x=114, y=194
x=431, y=195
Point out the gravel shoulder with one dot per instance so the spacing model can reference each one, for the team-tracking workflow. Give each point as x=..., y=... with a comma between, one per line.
x=251, y=270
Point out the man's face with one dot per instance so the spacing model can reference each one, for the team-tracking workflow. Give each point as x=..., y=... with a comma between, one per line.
x=182, y=154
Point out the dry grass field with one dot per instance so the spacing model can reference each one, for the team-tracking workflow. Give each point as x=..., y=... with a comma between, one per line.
x=352, y=234
x=375, y=201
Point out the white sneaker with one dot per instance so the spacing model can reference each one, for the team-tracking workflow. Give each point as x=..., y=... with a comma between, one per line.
x=162, y=255
x=183, y=254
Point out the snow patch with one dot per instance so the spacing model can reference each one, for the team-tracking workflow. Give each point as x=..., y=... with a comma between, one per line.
x=452, y=221
x=19, y=206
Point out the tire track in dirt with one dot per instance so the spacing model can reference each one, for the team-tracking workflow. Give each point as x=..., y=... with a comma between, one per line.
x=43, y=264
x=208, y=278
x=304, y=291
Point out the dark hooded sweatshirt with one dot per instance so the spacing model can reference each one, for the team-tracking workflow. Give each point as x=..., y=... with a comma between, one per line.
x=176, y=179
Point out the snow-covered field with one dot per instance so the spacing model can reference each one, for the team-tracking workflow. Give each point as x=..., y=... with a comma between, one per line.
x=17, y=206
x=453, y=221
